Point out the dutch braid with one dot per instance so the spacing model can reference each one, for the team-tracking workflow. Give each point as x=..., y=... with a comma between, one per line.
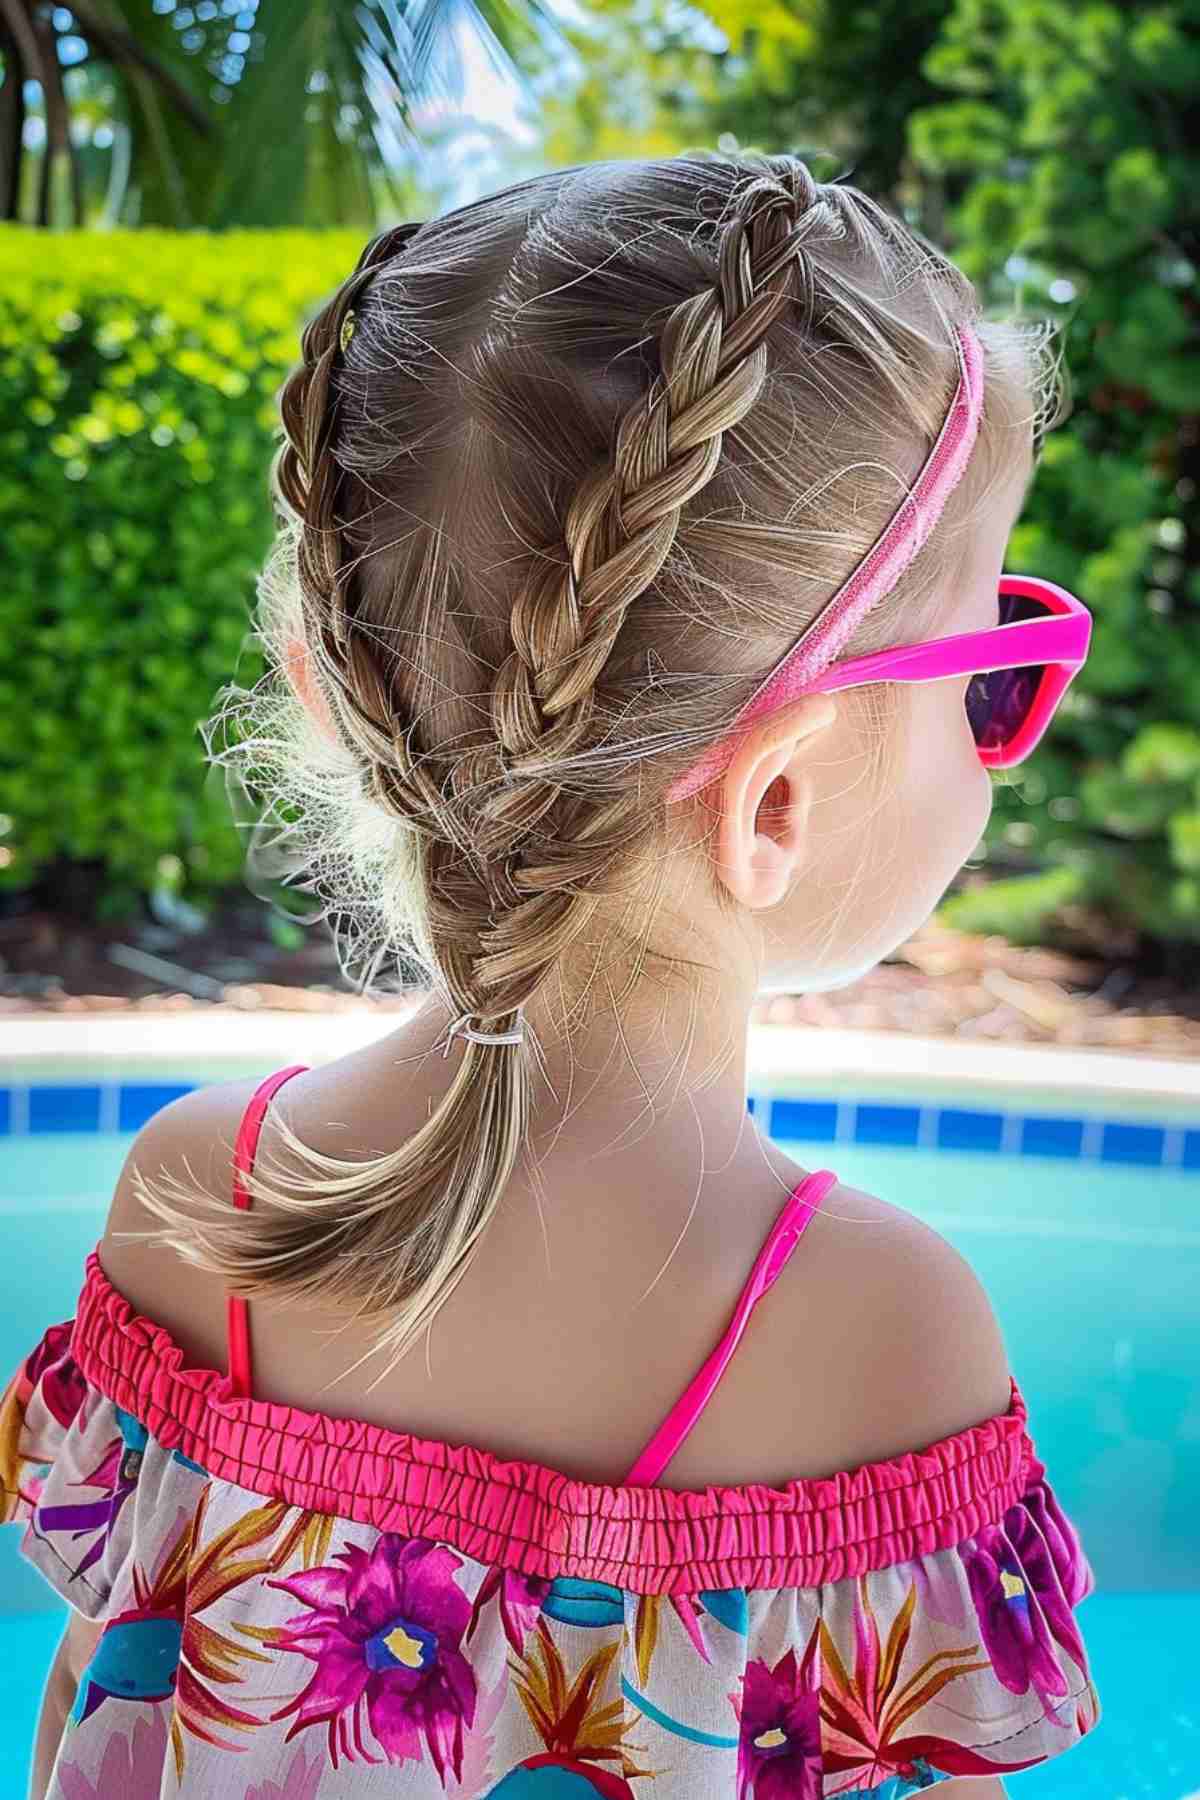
x=508, y=899
x=543, y=885
x=311, y=479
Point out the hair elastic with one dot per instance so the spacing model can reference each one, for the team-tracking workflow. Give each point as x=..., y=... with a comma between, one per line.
x=824, y=639
x=462, y=1027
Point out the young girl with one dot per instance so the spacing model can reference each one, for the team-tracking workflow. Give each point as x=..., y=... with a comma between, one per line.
x=639, y=642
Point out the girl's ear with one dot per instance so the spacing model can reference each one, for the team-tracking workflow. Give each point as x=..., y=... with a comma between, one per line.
x=765, y=799
x=299, y=670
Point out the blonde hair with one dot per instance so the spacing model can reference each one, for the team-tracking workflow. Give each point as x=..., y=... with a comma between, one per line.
x=586, y=459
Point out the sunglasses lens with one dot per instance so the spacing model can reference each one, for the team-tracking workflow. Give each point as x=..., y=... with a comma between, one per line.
x=999, y=703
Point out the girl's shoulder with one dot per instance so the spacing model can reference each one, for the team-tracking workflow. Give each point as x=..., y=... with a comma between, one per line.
x=877, y=1339
x=191, y=1138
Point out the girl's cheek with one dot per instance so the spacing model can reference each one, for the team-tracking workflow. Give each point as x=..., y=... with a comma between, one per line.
x=946, y=768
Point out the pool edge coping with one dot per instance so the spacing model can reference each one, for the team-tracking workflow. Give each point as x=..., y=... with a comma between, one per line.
x=779, y=1055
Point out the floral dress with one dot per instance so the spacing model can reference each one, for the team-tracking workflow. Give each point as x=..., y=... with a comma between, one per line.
x=297, y=1606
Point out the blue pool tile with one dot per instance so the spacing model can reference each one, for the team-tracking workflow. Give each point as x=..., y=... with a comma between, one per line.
x=958, y=1129
x=140, y=1100
x=1132, y=1143
x=1191, y=1149
x=63, y=1108
x=1042, y=1135
x=886, y=1124
x=5, y=1111
x=815, y=1120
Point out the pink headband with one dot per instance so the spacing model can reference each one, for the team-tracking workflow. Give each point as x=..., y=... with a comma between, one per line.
x=829, y=633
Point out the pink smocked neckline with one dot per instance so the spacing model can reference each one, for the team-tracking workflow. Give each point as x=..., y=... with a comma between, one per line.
x=535, y=1520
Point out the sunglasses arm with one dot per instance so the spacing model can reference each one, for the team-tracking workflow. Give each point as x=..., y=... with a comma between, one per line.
x=1060, y=638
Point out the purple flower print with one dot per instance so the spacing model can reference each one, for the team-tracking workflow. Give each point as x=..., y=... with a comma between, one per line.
x=130, y=1765
x=116, y=1474
x=1025, y=1576
x=520, y=1603
x=476, y=1775
x=384, y=1633
x=299, y=1781
x=938, y=1581
x=51, y=1364
x=779, y=1757
x=1040, y=1512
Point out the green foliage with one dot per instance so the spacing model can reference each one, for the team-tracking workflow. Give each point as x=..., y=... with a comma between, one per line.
x=294, y=113
x=1020, y=908
x=1098, y=179
x=140, y=374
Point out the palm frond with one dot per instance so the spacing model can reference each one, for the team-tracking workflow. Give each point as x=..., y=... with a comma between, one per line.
x=319, y=122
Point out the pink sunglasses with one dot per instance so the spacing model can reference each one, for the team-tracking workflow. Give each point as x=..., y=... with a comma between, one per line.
x=1022, y=667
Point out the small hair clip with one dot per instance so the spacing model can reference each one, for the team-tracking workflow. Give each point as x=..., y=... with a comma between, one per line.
x=347, y=331
x=462, y=1027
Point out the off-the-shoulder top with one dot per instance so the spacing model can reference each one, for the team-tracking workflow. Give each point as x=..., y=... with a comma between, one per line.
x=297, y=1606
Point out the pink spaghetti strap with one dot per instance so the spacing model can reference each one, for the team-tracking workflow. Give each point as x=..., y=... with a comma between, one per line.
x=782, y=1239
x=244, y=1150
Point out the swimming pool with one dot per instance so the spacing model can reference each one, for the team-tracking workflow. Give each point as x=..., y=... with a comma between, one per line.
x=1084, y=1229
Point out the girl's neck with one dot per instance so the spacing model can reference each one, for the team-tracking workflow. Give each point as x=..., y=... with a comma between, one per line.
x=656, y=1077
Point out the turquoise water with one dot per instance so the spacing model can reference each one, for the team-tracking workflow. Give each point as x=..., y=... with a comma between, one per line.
x=1093, y=1271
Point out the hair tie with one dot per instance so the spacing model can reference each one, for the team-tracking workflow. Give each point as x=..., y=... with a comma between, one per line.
x=462, y=1027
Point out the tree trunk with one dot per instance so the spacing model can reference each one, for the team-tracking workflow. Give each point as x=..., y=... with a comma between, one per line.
x=58, y=128
x=12, y=125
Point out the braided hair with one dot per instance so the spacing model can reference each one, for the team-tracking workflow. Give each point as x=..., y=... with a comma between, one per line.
x=544, y=481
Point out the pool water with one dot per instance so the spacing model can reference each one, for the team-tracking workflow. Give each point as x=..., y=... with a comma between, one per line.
x=1093, y=1270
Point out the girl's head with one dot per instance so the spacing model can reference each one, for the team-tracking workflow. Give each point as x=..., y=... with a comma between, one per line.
x=567, y=470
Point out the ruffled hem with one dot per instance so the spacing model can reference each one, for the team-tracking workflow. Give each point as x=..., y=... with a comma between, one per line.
x=960, y=1659
x=535, y=1520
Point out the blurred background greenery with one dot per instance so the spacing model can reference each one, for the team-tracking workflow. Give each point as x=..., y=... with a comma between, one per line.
x=181, y=184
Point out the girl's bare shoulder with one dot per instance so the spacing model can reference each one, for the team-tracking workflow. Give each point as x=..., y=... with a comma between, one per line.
x=902, y=1330
x=191, y=1139
x=877, y=1339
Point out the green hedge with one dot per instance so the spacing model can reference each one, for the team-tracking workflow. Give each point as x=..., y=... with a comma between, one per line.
x=1057, y=133
x=139, y=373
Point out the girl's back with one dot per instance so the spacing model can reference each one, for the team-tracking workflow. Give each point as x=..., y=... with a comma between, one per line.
x=516, y=1420
x=559, y=1346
